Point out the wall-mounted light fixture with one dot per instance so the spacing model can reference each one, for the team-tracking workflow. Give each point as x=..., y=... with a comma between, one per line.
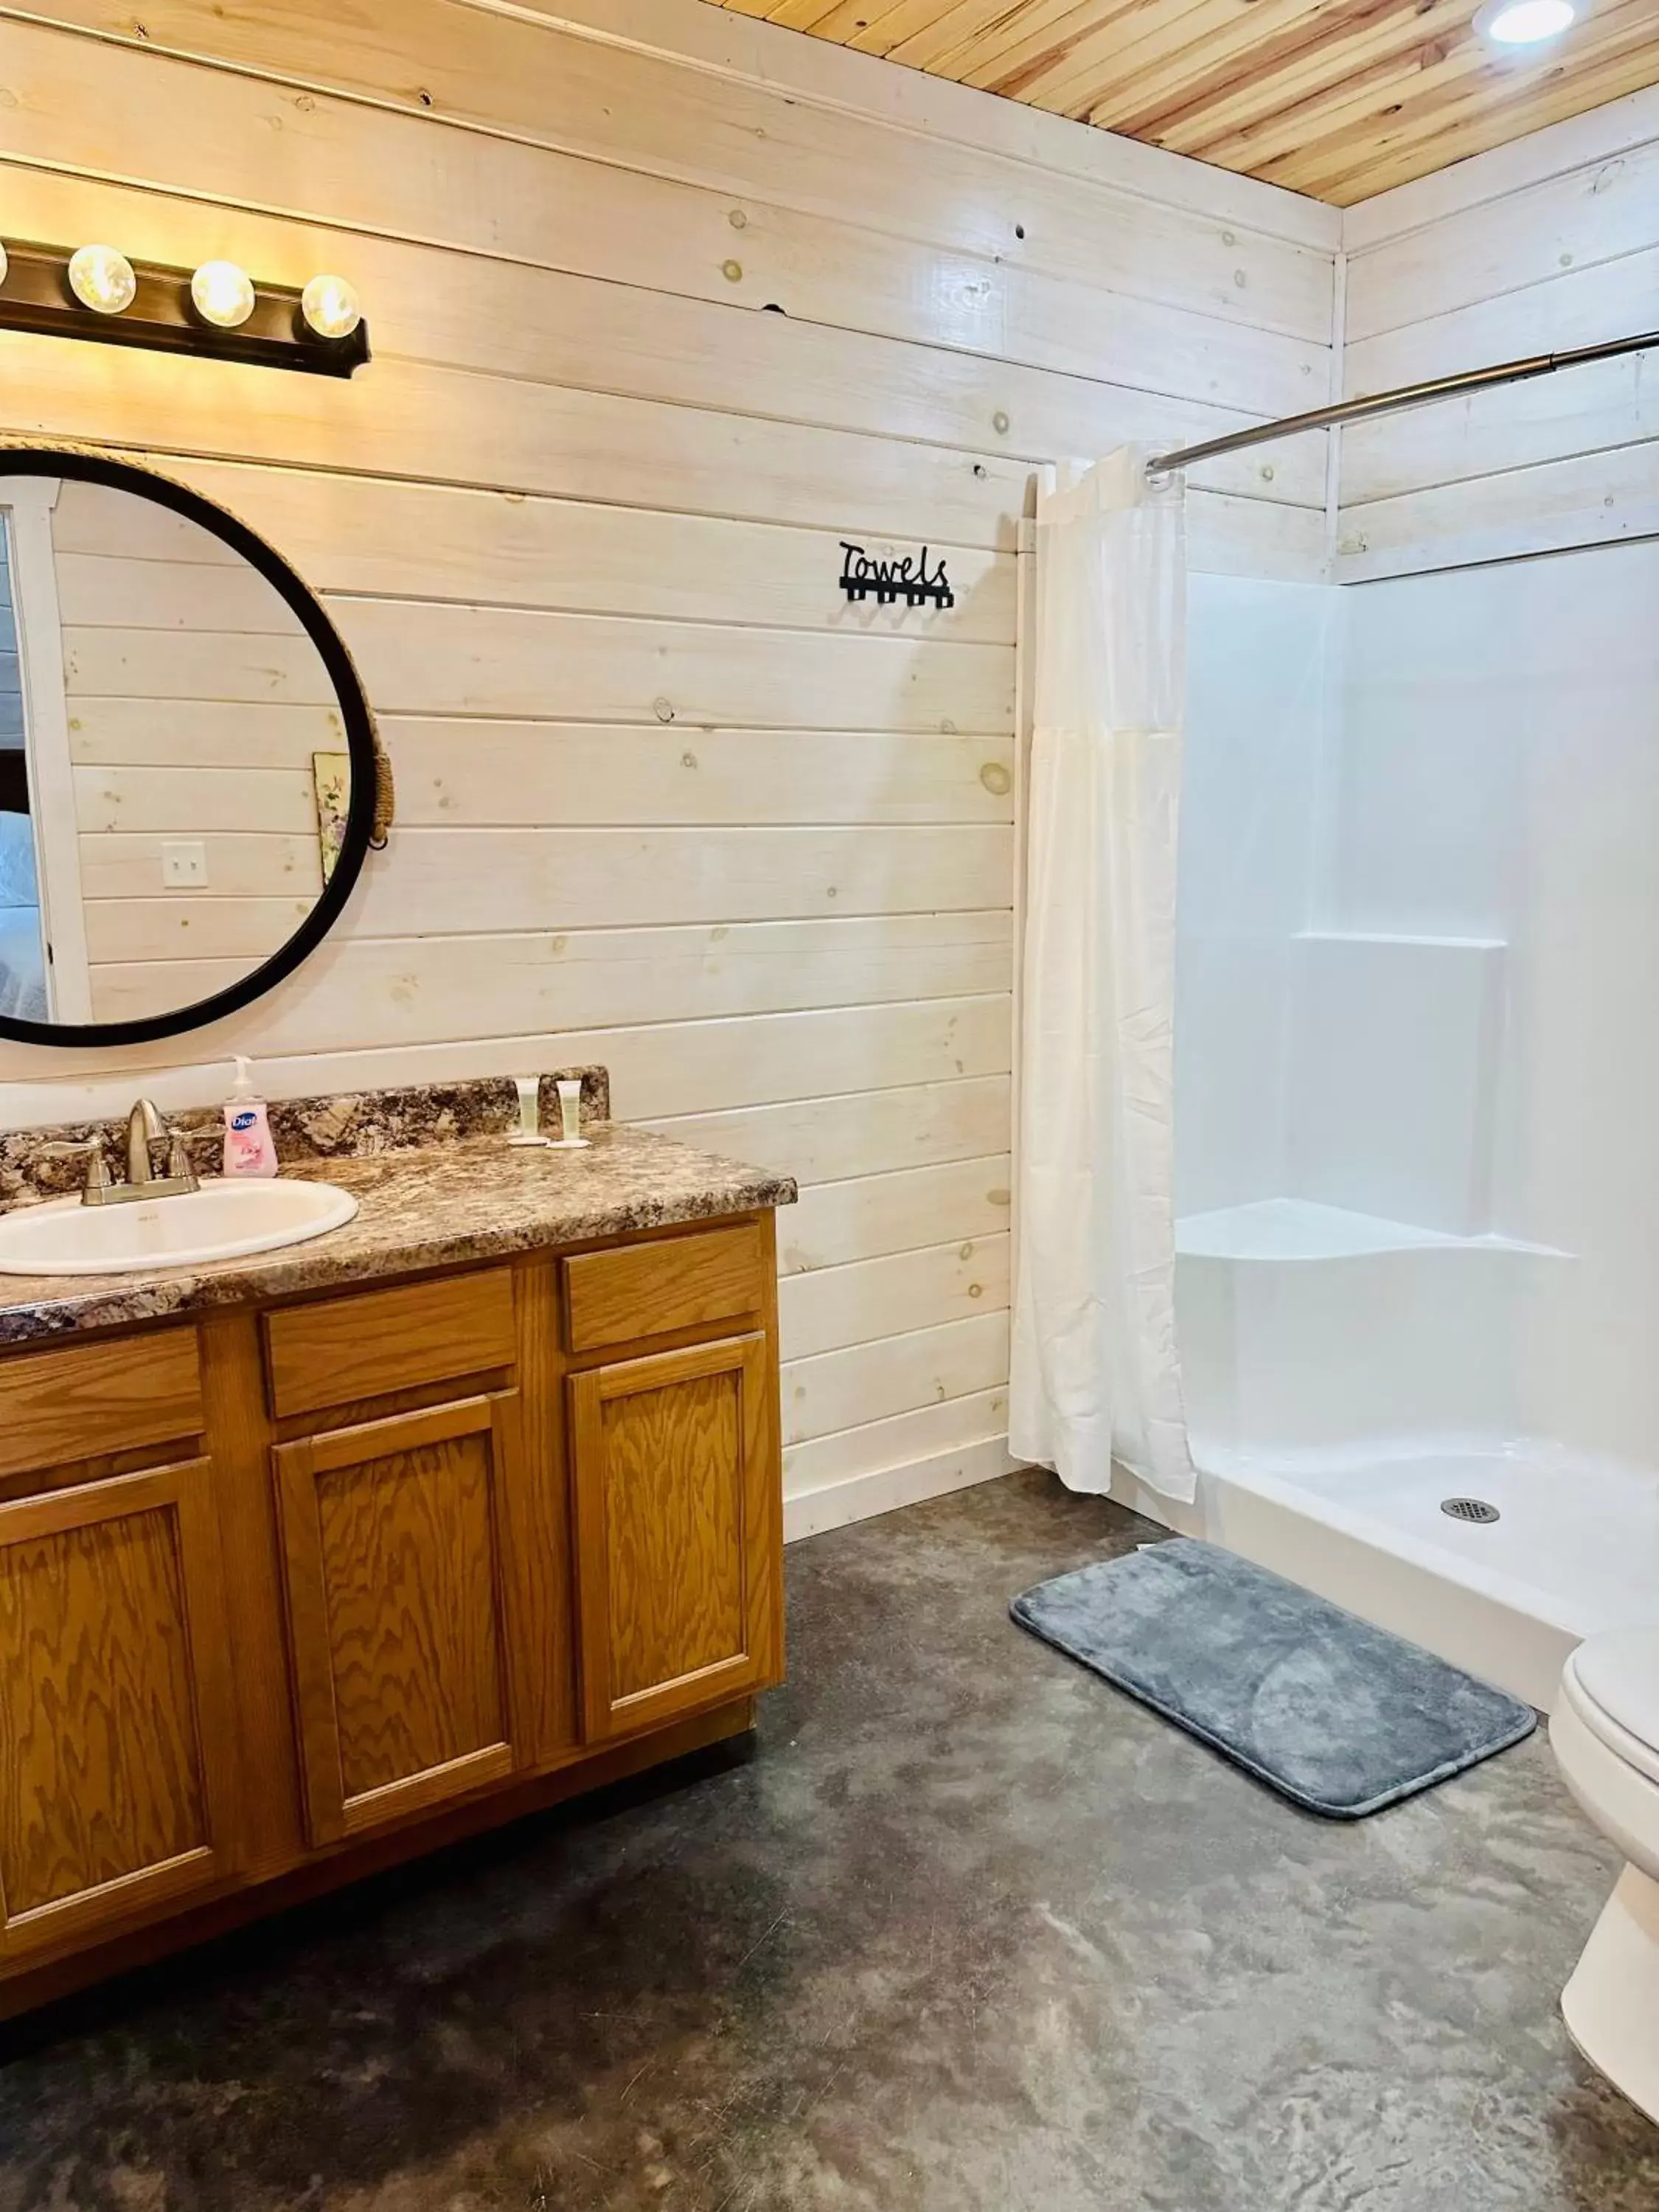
x=218, y=310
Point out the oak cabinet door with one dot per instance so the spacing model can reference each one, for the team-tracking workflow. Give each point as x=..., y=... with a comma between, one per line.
x=678, y=1527
x=396, y=1555
x=117, y=1755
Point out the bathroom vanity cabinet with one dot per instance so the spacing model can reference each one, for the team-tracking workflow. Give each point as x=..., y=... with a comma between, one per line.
x=291, y=1589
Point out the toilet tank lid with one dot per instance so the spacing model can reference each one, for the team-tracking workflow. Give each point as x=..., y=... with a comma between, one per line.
x=1620, y=1672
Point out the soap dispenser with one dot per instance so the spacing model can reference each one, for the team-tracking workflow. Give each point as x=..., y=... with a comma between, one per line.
x=250, y=1148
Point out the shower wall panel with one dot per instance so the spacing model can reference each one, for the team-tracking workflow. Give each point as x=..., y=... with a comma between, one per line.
x=1258, y=674
x=1394, y=1077
x=1419, y=1011
x=1500, y=757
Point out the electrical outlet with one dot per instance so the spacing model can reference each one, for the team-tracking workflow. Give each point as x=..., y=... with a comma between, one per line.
x=184, y=864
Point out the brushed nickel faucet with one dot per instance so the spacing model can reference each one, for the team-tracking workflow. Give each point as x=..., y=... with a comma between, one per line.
x=145, y=1128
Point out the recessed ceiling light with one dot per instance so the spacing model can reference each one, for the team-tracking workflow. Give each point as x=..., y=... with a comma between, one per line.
x=1525, y=22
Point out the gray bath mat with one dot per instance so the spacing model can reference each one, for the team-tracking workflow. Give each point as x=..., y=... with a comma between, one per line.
x=1342, y=1717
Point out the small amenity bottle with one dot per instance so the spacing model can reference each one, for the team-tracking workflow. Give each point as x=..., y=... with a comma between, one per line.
x=250, y=1148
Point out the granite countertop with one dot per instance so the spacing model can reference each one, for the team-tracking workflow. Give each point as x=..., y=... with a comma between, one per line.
x=426, y=1207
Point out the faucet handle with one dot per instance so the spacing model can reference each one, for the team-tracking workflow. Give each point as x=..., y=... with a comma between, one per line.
x=178, y=1167
x=97, y=1180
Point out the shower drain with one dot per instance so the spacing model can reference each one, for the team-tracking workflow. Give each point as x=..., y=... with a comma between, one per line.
x=1470, y=1509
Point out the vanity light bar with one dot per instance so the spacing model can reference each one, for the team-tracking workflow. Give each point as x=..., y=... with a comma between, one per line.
x=279, y=331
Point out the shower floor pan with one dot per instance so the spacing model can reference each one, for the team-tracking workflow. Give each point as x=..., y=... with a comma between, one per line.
x=1346, y=1375
x=1575, y=1548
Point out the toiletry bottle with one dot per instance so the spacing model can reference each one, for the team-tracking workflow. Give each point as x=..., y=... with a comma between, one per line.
x=249, y=1149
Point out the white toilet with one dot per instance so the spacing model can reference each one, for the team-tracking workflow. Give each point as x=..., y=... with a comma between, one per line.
x=1605, y=1734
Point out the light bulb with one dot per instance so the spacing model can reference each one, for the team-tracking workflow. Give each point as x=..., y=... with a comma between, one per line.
x=102, y=279
x=331, y=307
x=1525, y=22
x=223, y=294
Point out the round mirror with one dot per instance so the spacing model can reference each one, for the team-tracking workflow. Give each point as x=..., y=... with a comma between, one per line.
x=188, y=772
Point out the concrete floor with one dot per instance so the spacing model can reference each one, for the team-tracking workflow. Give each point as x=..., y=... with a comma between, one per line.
x=970, y=1933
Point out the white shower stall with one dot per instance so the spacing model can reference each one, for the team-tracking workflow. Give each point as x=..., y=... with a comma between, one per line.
x=1417, y=1094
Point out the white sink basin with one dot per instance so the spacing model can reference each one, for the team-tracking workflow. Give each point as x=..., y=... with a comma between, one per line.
x=223, y=1221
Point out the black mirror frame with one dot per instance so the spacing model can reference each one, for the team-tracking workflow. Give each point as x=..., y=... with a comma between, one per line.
x=45, y=460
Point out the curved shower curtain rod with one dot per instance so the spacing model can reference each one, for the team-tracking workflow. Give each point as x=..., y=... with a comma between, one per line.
x=1389, y=402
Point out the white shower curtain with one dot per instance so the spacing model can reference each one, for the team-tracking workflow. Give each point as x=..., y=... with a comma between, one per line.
x=1096, y=1372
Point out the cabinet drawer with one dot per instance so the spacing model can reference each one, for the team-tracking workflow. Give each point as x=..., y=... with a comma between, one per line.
x=80, y=1400
x=645, y=1290
x=341, y=1352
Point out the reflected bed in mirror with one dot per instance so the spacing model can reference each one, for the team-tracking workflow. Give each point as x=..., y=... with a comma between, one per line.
x=188, y=773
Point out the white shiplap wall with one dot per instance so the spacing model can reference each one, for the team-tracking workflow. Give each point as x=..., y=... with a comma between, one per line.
x=1549, y=243
x=667, y=801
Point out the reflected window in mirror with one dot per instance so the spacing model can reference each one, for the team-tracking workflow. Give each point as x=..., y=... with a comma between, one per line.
x=24, y=989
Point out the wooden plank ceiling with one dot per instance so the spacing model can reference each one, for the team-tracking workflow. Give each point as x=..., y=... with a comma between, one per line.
x=1337, y=98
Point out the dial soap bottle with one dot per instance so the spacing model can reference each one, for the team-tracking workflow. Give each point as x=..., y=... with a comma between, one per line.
x=250, y=1148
